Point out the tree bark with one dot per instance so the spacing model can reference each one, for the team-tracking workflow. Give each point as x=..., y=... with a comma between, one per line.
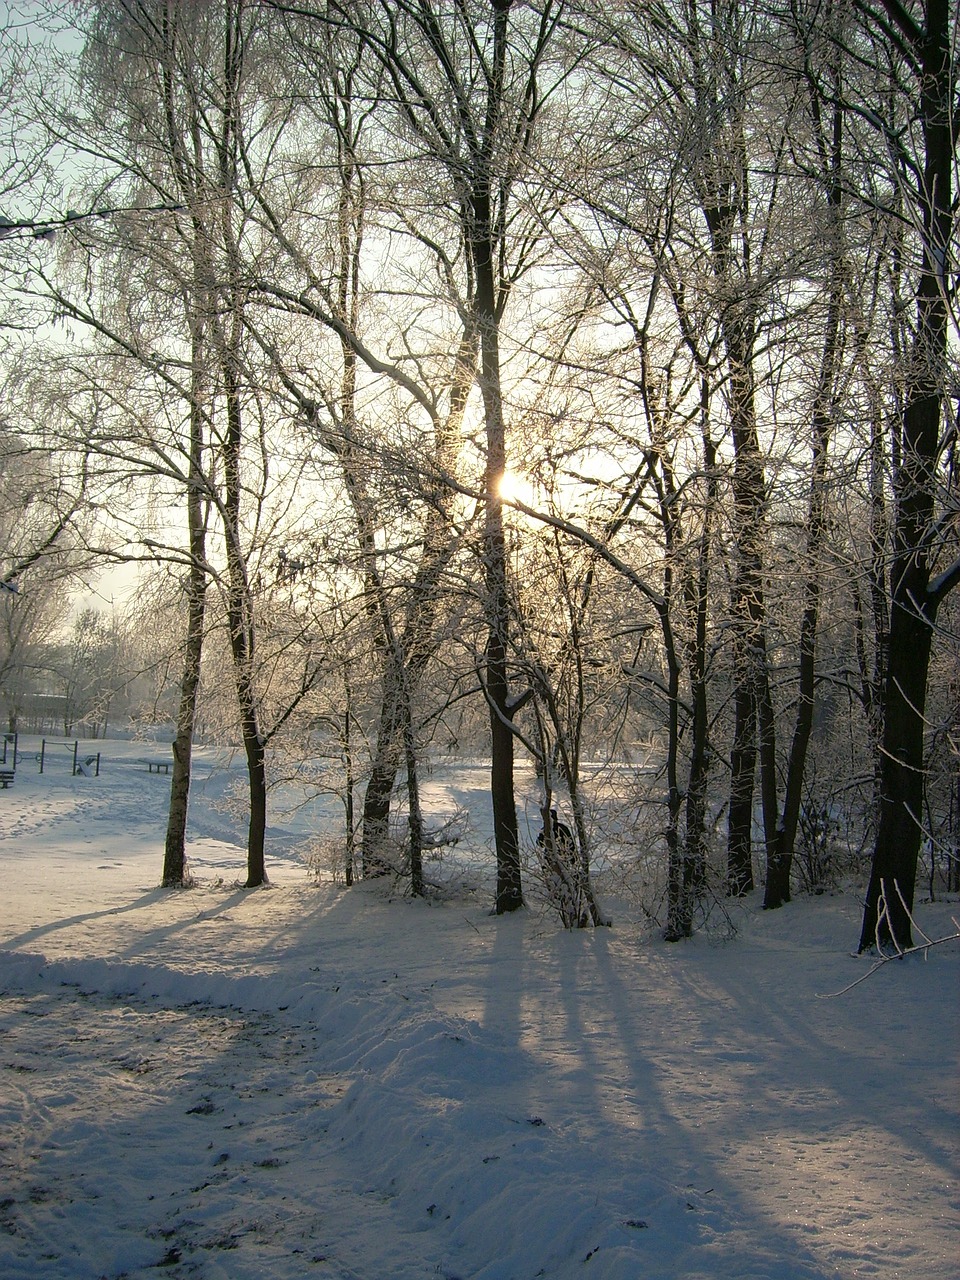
x=724, y=197
x=753, y=719
x=174, y=858
x=482, y=242
x=695, y=843
x=241, y=621
x=241, y=627
x=914, y=598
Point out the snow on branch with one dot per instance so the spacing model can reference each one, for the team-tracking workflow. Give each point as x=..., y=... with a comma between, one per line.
x=46, y=228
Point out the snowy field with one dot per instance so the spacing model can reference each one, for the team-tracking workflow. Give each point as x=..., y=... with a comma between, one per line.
x=308, y=1081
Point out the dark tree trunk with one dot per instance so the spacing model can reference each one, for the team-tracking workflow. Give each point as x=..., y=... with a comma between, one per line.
x=383, y=775
x=506, y=836
x=175, y=861
x=406, y=660
x=722, y=179
x=593, y=913
x=914, y=599
x=349, y=788
x=695, y=850
x=228, y=330
x=780, y=859
x=753, y=731
x=256, y=831
x=414, y=812
x=483, y=242
x=376, y=812
x=743, y=760
x=679, y=902
x=753, y=726
x=174, y=857
x=240, y=622
x=890, y=893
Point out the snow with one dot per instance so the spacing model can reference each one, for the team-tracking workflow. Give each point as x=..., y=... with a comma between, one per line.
x=304, y=1080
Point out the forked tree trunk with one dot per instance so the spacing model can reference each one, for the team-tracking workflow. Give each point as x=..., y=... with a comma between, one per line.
x=724, y=195
x=781, y=853
x=753, y=729
x=406, y=658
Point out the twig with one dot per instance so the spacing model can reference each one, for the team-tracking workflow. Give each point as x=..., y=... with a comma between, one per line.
x=896, y=955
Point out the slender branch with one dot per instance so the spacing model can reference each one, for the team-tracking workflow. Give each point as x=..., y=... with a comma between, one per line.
x=895, y=955
x=46, y=228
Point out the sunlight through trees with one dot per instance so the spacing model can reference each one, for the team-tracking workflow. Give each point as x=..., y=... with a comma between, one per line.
x=570, y=386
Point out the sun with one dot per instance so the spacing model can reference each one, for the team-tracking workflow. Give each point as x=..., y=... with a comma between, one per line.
x=515, y=488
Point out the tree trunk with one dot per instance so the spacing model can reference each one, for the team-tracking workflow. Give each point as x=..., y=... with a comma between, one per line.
x=780, y=857
x=349, y=784
x=593, y=913
x=893, y=875
x=383, y=774
x=724, y=184
x=242, y=643
x=406, y=659
x=414, y=812
x=174, y=858
x=241, y=621
x=914, y=600
x=506, y=835
x=695, y=844
x=679, y=903
x=256, y=830
x=481, y=237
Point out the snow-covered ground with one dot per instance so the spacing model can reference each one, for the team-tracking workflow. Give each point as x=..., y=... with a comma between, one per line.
x=307, y=1081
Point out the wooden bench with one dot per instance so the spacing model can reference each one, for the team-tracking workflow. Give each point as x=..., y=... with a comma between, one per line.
x=158, y=765
x=6, y=777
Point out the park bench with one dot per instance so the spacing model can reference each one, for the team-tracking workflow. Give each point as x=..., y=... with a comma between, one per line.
x=158, y=765
x=6, y=777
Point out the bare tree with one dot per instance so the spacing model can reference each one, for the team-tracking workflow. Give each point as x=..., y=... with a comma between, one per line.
x=171, y=130
x=470, y=86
